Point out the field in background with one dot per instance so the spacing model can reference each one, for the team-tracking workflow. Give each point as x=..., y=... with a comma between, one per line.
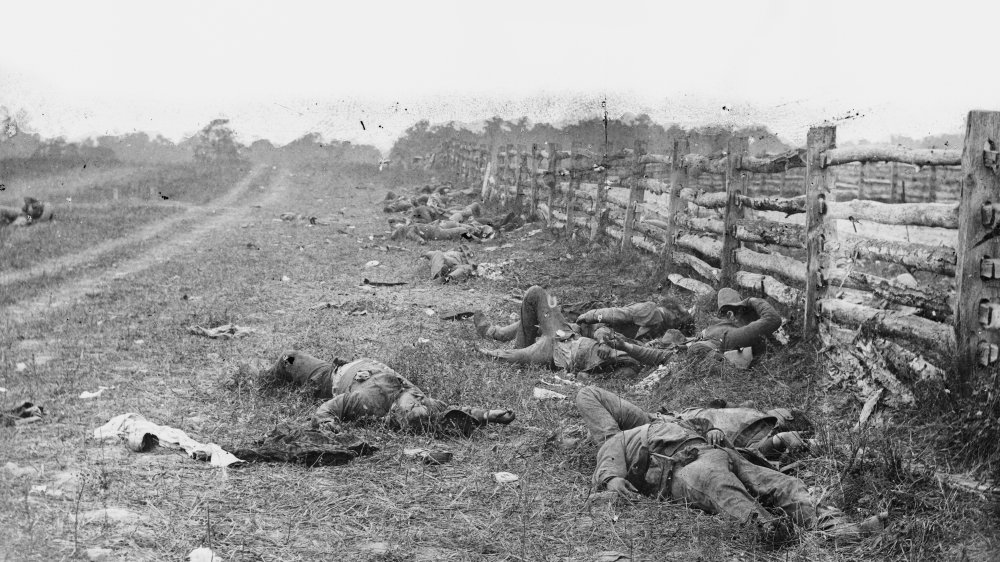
x=130, y=335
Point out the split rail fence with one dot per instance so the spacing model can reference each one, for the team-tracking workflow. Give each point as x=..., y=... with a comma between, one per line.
x=778, y=226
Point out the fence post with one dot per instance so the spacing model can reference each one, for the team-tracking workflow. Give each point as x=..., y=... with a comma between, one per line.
x=518, y=178
x=484, y=162
x=818, y=228
x=498, y=173
x=574, y=181
x=892, y=182
x=861, y=180
x=977, y=303
x=536, y=161
x=600, y=198
x=678, y=179
x=734, y=179
x=932, y=186
x=552, y=180
x=636, y=195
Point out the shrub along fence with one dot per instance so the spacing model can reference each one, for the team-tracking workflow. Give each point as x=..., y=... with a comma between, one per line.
x=774, y=226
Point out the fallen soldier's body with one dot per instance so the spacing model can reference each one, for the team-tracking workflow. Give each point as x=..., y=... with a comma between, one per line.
x=368, y=389
x=768, y=433
x=452, y=265
x=542, y=336
x=740, y=337
x=693, y=461
x=32, y=211
x=442, y=230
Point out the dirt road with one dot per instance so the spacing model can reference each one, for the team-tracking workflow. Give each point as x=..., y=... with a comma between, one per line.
x=177, y=234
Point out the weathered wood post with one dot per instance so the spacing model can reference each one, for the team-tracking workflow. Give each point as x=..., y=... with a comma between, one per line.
x=552, y=177
x=738, y=147
x=536, y=163
x=600, y=198
x=932, y=186
x=484, y=162
x=574, y=181
x=977, y=303
x=636, y=194
x=488, y=169
x=861, y=179
x=892, y=181
x=500, y=172
x=678, y=180
x=818, y=228
x=519, y=166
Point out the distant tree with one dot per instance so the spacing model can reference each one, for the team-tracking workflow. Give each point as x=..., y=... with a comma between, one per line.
x=216, y=142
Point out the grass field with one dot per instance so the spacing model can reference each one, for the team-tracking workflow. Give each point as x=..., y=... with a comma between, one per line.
x=246, y=268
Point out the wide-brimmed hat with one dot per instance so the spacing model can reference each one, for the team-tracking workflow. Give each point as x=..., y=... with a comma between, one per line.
x=729, y=298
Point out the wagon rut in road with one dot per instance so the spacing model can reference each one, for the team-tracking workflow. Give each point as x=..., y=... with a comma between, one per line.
x=156, y=229
x=223, y=217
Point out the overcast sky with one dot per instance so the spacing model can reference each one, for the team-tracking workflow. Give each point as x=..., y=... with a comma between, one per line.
x=281, y=69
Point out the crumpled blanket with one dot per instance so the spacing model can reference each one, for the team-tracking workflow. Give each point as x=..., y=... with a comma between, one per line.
x=225, y=331
x=452, y=265
x=308, y=446
x=141, y=435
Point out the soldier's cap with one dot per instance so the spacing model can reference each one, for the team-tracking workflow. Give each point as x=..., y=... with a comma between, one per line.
x=729, y=298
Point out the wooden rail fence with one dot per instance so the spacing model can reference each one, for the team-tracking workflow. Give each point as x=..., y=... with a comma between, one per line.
x=781, y=226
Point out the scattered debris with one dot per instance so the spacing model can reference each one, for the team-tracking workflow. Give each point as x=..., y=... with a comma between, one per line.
x=458, y=315
x=325, y=304
x=505, y=477
x=869, y=408
x=21, y=366
x=382, y=283
x=142, y=435
x=493, y=271
x=423, y=340
x=96, y=554
x=429, y=311
x=647, y=384
x=225, y=331
x=546, y=394
x=100, y=390
x=373, y=263
x=203, y=554
x=428, y=456
x=285, y=279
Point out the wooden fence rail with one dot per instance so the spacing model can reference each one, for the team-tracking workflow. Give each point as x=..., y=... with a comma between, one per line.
x=736, y=220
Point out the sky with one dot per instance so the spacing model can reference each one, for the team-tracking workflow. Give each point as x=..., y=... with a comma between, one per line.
x=366, y=71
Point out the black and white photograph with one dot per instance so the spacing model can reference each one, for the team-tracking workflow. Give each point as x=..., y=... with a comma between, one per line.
x=520, y=281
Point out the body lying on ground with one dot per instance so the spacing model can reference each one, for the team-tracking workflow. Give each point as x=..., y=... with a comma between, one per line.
x=32, y=211
x=692, y=461
x=769, y=433
x=542, y=336
x=368, y=389
x=451, y=265
x=740, y=337
x=442, y=230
